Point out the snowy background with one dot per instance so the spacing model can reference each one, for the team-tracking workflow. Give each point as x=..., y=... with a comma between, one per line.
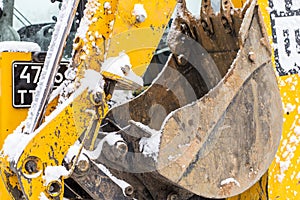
x=36, y=11
x=41, y=11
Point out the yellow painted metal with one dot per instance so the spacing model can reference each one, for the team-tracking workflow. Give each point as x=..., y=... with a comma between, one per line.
x=53, y=139
x=128, y=36
x=284, y=173
x=238, y=3
x=283, y=183
x=139, y=40
x=50, y=142
x=90, y=47
x=110, y=32
x=114, y=30
x=10, y=117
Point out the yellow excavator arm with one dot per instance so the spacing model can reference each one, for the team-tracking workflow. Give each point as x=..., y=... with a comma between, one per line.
x=209, y=125
x=110, y=41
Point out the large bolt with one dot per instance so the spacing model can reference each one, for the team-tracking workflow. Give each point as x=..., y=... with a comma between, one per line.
x=83, y=165
x=173, y=196
x=54, y=188
x=181, y=59
x=31, y=166
x=251, y=56
x=114, y=153
x=121, y=149
x=98, y=97
x=129, y=191
x=140, y=18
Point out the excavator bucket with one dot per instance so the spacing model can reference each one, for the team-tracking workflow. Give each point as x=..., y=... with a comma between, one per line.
x=208, y=126
x=211, y=123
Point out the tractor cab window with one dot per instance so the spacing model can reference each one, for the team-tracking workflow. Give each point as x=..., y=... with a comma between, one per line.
x=33, y=21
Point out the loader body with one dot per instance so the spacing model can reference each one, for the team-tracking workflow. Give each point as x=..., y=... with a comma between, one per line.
x=208, y=126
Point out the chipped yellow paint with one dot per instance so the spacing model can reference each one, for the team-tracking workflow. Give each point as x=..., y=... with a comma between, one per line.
x=113, y=29
x=52, y=141
x=10, y=117
x=139, y=40
x=283, y=176
x=238, y=3
x=284, y=173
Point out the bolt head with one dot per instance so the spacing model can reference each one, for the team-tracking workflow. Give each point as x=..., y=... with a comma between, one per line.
x=83, y=165
x=140, y=18
x=251, y=56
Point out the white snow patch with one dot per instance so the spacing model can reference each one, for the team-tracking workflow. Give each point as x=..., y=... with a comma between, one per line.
x=269, y=10
x=291, y=149
x=43, y=196
x=284, y=165
x=17, y=46
x=150, y=146
x=293, y=139
x=298, y=176
x=16, y=139
x=73, y=151
x=298, y=109
x=172, y=158
x=91, y=7
x=107, y=5
x=110, y=138
x=139, y=10
x=230, y=180
x=83, y=27
x=120, y=96
x=289, y=80
x=1, y=4
x=145, y=128
x=35, y=175
x=121, y=66
x=93, y=80
x=184, y=145
x=297, y=130
x=53, y=173
x=295, y=193
x=290, y=107
x=279, y=5
x=280, y=177
x=68, y=86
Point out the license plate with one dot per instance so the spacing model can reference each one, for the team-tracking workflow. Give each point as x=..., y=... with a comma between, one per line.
x=25, y=79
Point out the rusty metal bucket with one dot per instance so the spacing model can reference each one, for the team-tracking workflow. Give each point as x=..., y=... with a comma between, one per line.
x=211, y=123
